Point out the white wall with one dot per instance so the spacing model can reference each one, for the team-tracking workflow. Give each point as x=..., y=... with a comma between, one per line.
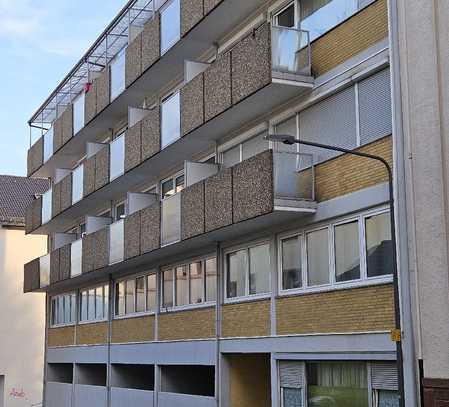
x=22, y=321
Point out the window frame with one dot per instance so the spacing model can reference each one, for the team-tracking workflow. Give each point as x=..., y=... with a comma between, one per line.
x=105, y=295
x=247, y=296
x=364, y=280
x=173, y=179
x=70, y=294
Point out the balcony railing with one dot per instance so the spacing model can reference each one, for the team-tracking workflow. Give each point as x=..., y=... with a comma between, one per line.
x=116, y=242
x=171, y=220
x=44, y=271
x=46, y=206
x=76, y=253
x=48, y=144
x=117, y=72
x=77, y=184
x=290, y=50
x=117, y=159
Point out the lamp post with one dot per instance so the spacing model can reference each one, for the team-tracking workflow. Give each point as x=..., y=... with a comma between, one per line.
x=290, y=140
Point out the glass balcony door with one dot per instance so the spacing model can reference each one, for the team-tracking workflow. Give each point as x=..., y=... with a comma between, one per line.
x=48, y=144
x=77, y=184
x=117, y=162
x=78, y=113
x=116, y=242
x=170, y=25
x=117, y=75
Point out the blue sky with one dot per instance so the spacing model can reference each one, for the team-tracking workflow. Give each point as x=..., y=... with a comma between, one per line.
x=40, y=41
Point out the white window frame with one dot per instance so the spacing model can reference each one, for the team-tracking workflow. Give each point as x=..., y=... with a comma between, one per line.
x=247, y=296
x=275, y=13
x=172, y=178
x=106, y=300
x=115, y=211
x=187, y=263
x=333, y=284
x=52, y=310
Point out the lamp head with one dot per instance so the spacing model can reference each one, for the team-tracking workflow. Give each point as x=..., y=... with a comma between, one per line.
x=281, y=138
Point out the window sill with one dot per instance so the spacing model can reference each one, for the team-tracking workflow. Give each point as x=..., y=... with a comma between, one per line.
x=93, y=322
x=187, y=307
x=62, y=326
x=249, y=298
x=134, y=315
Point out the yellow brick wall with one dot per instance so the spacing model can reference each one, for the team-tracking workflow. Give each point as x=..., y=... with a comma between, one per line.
x=192, y=324
x=360, y=32
x=353, y=310
x=249, y=380
x=64, y=336
x=139, y=329
x=92, y=334
x=246, y=319
x=348, y=173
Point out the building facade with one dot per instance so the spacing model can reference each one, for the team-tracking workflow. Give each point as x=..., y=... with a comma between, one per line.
x=23, y=316
x=193, y=262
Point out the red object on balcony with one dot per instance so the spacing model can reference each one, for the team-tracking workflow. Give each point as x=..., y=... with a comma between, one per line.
x=87, y=87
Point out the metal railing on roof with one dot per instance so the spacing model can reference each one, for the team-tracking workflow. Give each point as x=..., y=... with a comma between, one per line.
x=113, y=39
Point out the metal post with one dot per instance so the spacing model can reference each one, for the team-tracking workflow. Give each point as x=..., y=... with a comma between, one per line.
x=397, y=312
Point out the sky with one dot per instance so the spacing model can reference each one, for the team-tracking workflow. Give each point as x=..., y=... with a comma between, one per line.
x=40, y=42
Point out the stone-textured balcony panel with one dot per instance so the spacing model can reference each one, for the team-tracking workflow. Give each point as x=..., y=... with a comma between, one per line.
x=133, y=146
x=132, y=235
x=252, y=181
x=31, y=280
x=103, y=87
x=151, y=134
x=102, y=167
x=35, y=156
x=66, y=192
x=37, y=213
x=88, y=257
x=251, y=63
x=64, y=262
x=67, y=124
x=89, y=176
x=101, y=248
x=192, y=105
x=191, y=13
x=150, y=228
x=151, y=42
x=133, y=67
x=192, y=211
x=217, y=86
x=29, y=219
x=54, y=267
x=218, y=200
x=56, y=199
x=57, y=134
x=209, y=5
x=90, y=103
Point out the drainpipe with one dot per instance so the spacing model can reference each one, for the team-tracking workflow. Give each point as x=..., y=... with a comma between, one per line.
x=110, y=314
x=218, y=374
x=399, y=158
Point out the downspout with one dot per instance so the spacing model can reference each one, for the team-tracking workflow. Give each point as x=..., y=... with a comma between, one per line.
x=399, y=160
x=218, y=373
x=110, y=314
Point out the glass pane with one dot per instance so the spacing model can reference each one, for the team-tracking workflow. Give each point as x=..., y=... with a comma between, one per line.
x=286, y=18
x=120, y=298
x=179, y=183
x=171, y=220
x=99, y=312
x=117, y=163
x=259, y=269
x=83, y=306
x=67, y=311
x=291, y=397
x=46, y=206
x=72, y=308
x=386, y=398
x=78, y=113
x=231, y=157
x=347, y=254
x=291, y=263
x=140, y=294
x=319, y=16
x=379, y=248
x=196, y=283
x=168, y=288
x=61, y=310
x=211, y=279
x=170, y=26
x=48, y=144
x=129, y=296
x=106, y=301
x=91, y=305
x=236, y=275
x=53, y=311
x=117, y=74
x=339, y=384
x=254, y=146
x=44, y=270
x=120, y=212
x=77, y=184
x=289, y=50
x=182, y=286
x=116, y=242
x=76, y=258
x=289, y=127
x=171, y=120
x=151, y=292
x=167, y=189
x=318, y=257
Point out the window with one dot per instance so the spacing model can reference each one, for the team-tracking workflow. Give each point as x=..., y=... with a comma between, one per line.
x=63, y=309
x=119, y=211
x=135, y=295
x=170, y=25
x=48, y=144
x=245, y=150
x=77, y=184
x=318, y=257
x=94, y=304
x=117, y=75
x=286, y=17
x=248, y=271
x=291, y=380
x=170, y=120
x=194, y=283
x=172, y=186
x=379, y=247
x=78, y=113
x=291, y=263
x=117, y=161
x=47, y=206
x=347, y=255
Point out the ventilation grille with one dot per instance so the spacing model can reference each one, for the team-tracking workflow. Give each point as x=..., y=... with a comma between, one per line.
x=384, y=376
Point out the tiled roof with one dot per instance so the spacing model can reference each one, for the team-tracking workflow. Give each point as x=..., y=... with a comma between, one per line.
x=16, y=194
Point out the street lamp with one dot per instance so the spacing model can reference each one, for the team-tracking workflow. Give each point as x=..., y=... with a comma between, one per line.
x=290, y=140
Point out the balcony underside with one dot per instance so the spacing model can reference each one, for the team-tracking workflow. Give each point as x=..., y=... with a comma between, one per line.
x=196, y=245
x=222, y=20
x=153, y=169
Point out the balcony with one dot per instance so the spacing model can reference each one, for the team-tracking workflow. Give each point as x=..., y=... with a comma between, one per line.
x=148, y=67
x=279, y=70
x=269, y=189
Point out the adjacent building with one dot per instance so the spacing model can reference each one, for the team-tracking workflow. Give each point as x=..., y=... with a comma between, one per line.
x=22, y=318
x=193, y=262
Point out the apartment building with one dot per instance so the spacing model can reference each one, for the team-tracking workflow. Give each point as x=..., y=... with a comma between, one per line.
x=22, y=316
x=193, y=261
